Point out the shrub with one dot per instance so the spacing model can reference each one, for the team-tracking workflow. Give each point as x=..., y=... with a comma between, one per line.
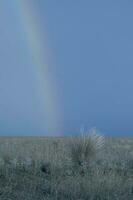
x=84, y=147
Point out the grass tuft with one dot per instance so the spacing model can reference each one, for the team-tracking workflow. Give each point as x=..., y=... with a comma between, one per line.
x=84, y=148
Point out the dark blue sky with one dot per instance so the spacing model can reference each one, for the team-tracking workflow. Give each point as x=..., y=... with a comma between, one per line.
x=92, y=43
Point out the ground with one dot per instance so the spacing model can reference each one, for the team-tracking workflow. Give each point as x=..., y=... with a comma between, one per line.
x=40, y=168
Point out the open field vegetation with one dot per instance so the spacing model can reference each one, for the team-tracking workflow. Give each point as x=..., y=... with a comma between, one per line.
x=78, y=168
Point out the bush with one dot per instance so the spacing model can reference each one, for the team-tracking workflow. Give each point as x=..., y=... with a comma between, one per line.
x=83, y=148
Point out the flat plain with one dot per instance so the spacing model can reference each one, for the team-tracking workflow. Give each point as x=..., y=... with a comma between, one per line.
x=47, y=168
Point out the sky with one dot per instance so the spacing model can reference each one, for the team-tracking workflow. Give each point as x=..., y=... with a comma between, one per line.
x=65, y=65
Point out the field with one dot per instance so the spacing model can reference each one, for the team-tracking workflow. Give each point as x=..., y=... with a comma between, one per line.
x=40, y=168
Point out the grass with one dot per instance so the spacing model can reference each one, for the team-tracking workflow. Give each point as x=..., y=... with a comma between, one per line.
x=79, y=168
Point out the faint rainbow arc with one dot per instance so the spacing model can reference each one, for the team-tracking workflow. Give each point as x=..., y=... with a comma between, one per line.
x=42, y=68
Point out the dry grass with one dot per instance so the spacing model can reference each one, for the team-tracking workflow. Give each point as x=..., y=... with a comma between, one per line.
x=38, y=168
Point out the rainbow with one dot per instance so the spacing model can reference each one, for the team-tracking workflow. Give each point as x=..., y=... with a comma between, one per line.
x=41, y=65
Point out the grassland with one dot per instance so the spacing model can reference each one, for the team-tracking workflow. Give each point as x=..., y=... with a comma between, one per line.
x=39, y=168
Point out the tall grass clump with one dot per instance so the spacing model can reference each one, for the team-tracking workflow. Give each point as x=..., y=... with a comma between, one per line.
x=84, y=148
